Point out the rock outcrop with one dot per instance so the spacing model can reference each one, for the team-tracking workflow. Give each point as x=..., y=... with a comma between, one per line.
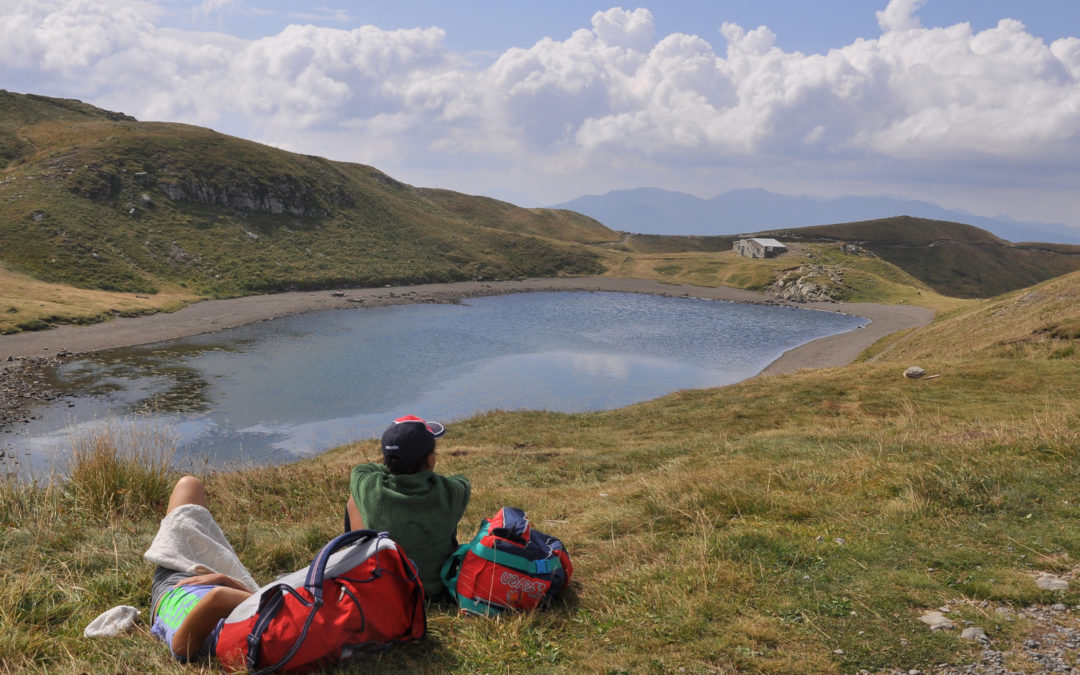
x=283, y=194
x=809, y=283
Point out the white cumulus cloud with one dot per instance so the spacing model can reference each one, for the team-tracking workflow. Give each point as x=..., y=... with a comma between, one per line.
x=900, y=15
x=612, y=94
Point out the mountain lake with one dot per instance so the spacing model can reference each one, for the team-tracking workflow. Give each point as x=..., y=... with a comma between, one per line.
x=292, y=387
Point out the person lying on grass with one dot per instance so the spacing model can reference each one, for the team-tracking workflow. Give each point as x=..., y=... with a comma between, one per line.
x=405, y=497
x=188, y=593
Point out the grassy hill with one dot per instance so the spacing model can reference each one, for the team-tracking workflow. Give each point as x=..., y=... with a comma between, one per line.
x=862, y=277
x=791, y=524
x=952, y=258
x=1040, y=322
x=96, y=200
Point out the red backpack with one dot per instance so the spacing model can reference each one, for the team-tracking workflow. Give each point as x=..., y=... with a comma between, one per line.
x=360, y=593
x=507, y=565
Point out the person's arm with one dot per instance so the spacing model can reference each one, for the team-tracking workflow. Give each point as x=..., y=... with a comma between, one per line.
x=362, y=469
x=356, y=521
x=463, y=490
x=204, y=617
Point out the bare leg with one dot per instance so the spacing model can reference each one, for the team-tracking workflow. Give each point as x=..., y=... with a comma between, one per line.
x=188, y=490
x=219, y=602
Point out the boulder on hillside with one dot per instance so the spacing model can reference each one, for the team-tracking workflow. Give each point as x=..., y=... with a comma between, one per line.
x=1051, y=582
x=937, y=621
x=809, y=283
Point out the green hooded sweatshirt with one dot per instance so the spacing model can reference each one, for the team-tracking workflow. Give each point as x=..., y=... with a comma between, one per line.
x=420, y=511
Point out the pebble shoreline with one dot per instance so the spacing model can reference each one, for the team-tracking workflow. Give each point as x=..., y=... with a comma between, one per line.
x=24, y=384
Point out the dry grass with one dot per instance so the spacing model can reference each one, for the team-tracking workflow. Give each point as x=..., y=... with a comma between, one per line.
x=697, y=268
x=120, y=468
x=26, y=302
x=1039, y=322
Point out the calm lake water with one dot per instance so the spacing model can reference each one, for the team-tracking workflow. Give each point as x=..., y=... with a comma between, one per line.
x=292, y=387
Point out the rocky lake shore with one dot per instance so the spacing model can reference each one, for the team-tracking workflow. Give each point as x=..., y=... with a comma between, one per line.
x=24, y=383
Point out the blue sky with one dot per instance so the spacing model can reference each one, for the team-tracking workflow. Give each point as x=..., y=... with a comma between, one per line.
x=972, y=105
x=497, y=25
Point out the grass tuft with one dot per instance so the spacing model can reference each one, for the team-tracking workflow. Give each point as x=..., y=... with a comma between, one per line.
x=121, y=469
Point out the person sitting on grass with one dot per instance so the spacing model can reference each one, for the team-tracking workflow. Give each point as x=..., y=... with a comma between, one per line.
x=198, y=579
x=405, y=497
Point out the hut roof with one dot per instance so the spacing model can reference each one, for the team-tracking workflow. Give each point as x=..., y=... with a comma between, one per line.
x=768, y=242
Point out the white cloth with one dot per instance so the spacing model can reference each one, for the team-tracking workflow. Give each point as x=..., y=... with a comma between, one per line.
x=112, y=622
x=190, y=540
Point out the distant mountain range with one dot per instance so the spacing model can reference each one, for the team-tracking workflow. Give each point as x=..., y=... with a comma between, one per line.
x=656, y=211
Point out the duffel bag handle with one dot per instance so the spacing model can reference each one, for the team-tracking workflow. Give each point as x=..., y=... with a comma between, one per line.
x=317, y=569
x=313, y=582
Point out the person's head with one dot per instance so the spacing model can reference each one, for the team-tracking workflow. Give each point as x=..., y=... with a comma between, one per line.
x=408, y=445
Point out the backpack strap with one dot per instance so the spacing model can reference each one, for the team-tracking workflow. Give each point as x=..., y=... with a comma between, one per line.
x=272, y=601
x=317, y=569
x=522, y=564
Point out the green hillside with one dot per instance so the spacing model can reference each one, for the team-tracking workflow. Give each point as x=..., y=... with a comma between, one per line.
x=1042, y=321
x=952, y=258
x=94, y=199
x=555, y=223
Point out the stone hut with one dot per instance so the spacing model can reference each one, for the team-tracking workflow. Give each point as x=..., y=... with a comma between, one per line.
x=759, y=247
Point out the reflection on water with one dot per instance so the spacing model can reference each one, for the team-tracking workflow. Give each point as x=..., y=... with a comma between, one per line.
x=167, y=383
x=276, y=390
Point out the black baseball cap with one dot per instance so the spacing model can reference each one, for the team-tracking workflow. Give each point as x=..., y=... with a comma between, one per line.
x=411, y=438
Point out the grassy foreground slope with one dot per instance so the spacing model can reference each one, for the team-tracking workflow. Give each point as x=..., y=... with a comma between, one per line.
x=96, y=200
x=791, y=524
